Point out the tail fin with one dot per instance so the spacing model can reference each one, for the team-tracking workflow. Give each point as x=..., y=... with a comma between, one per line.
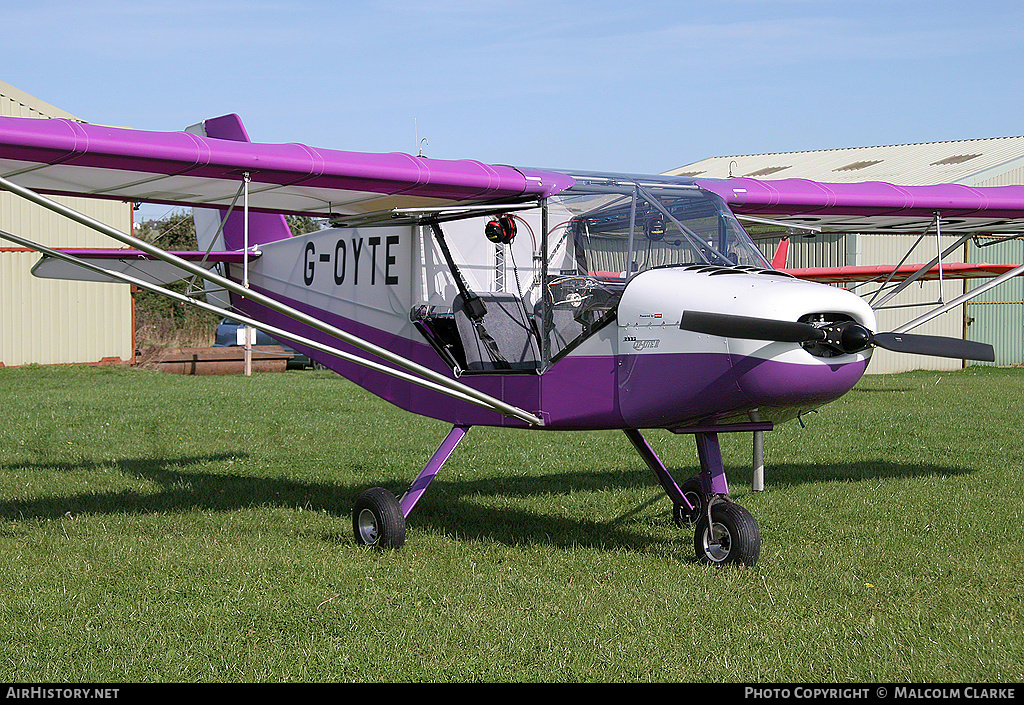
x=263, y=227
x=781, y=257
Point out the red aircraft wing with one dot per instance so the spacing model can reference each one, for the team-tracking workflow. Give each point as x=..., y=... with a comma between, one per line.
x=843, y=275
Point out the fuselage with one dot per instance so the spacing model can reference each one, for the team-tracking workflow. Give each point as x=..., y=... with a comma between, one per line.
x=585, y=304
x=638, y=369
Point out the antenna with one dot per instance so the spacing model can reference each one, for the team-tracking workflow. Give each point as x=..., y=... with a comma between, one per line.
x=419, y=142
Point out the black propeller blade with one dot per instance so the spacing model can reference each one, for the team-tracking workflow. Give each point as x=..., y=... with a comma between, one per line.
x=842, y=336
x=729, y=326
x=935, y=345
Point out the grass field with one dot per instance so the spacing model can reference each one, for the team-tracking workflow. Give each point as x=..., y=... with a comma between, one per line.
x=196, y=529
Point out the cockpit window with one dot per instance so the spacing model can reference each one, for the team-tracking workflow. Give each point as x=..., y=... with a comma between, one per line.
x=576, y=254
x=619, y=227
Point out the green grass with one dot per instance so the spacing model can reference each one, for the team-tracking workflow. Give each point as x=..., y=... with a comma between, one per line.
x=162, y=528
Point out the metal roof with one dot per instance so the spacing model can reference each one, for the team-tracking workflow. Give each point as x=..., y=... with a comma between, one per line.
x=16, y=102
x=973, y=162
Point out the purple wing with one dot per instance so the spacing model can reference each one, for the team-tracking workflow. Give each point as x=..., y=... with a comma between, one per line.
x=60, y=156
x=874, y=206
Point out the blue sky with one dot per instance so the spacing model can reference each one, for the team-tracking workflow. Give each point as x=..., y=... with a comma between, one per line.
x=615, y=86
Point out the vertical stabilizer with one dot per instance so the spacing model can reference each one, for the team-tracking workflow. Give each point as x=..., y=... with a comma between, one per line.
x=780, y=260
x=263, y=227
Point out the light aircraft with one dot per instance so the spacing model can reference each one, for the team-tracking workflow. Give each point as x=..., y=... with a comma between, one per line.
x=486, y=295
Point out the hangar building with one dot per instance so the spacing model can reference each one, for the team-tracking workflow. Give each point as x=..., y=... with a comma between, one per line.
x=47, y=321
x=995, y=317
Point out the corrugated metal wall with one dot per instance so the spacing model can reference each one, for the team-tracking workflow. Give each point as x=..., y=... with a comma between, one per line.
x=914, y=301
x=822, y=250
x=838, y=250
x=997, y=316
x=47, y=321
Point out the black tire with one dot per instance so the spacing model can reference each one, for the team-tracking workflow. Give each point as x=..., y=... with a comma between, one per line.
x=377, y=519
x=737, y=538
x=694, y=493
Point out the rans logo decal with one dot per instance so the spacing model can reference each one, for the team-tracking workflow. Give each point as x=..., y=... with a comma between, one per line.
x=642, y=344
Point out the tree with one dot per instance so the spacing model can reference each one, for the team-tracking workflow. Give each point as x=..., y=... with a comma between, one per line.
x=158, y=317
x=163, y=322
x=302, y=224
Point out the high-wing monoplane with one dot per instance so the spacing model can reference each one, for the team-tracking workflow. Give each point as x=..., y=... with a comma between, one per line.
x=488, y=295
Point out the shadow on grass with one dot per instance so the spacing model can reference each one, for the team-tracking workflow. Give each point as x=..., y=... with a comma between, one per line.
x=884, y=390
x=793, y=475
x=452, y=506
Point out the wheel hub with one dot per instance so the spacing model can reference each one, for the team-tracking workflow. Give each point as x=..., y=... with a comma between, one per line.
x=718, y=545
x=368, y=527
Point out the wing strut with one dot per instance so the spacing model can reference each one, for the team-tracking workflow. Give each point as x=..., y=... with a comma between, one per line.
x=446, y=384
x=937, y=260
x=234, y=315
x=925, y=268
x=1016, y=271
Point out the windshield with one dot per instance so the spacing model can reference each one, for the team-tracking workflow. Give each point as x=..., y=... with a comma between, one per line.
x=619, y=226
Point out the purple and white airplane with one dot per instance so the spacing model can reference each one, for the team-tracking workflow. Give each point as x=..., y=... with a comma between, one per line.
x=496, y=296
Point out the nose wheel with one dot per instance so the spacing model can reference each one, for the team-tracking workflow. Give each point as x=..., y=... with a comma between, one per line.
x=727, y=534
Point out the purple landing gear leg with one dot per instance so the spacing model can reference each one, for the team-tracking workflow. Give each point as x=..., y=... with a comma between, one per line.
x=378, y=518
x=725, y=531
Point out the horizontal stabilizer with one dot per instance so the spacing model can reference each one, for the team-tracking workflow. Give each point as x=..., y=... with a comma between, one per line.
x=132, y=262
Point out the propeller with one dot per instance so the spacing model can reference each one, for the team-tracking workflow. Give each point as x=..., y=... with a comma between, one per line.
x=842, y=336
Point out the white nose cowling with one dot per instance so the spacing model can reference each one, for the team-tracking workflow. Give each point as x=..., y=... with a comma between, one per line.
x=670, y=376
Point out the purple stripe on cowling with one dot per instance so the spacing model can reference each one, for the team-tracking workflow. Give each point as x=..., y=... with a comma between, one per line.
x=671, y=390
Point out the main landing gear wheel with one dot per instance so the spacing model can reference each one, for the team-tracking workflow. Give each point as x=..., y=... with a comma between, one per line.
x=683, y=515
x=377, y=519
x=733, y=537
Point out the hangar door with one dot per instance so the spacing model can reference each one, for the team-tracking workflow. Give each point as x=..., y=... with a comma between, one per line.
x=997, y=316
